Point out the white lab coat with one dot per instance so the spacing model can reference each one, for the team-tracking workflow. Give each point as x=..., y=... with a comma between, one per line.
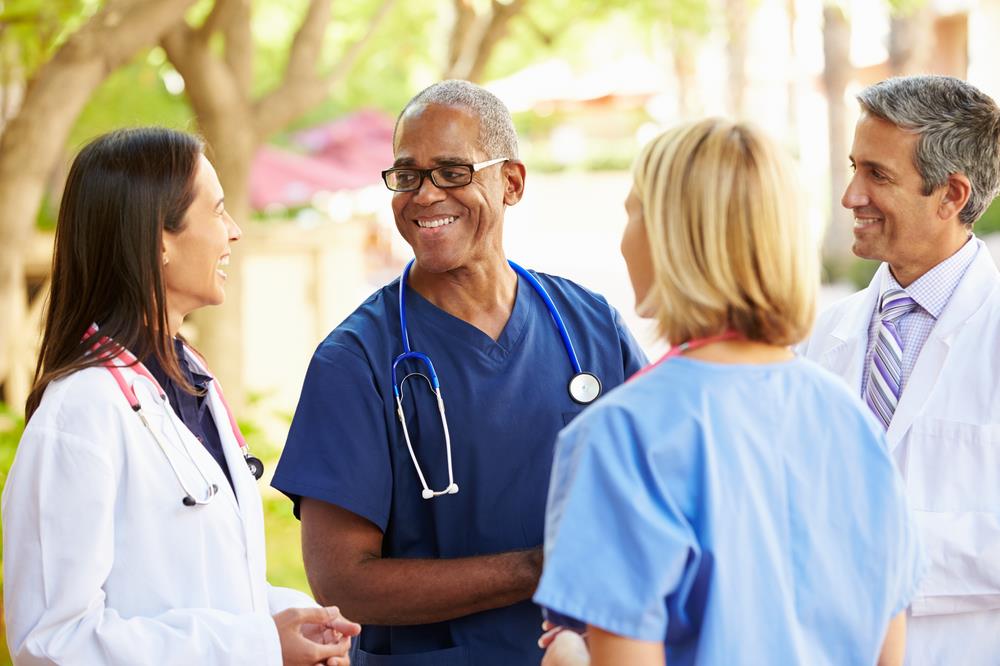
x=102, y=562
x=945, y=437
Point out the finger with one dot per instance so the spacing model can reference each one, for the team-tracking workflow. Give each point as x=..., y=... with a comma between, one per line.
x=344, y=626
x=545, y=639
x=312, y=615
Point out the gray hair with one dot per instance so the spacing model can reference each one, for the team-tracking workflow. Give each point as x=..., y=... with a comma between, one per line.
x=959, y=129
x=497, y=137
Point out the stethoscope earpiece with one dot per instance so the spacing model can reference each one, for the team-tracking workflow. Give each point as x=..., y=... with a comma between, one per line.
x=188, y=501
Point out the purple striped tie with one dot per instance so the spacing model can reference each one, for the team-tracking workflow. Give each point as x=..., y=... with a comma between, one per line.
x=885, y=374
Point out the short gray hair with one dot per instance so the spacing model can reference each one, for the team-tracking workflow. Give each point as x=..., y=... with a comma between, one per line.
x=497, y=137
x=959, y=129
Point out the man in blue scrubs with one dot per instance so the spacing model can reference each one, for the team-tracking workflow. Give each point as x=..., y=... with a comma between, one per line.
x=444, y=581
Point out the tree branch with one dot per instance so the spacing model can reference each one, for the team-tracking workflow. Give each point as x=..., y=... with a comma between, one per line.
x=495, y=31
x=303, y=87
x=465, y=17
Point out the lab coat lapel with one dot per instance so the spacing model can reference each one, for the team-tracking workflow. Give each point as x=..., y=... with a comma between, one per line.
x=846, y=343
x=181, y=442
x=247, y=494
x=969, y=296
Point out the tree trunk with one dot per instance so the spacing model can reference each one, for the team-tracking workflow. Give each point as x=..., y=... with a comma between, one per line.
x=737, y=15
x=33, y=141
x=909, y=37
x=235, y=124
x=474, y=37
x=836, y=74
x=951, y=45
x=792, y=109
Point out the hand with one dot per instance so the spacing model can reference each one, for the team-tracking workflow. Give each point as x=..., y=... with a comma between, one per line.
x=563, y=647
x=311, y=636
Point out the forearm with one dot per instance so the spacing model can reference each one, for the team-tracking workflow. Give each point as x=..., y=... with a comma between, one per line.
x=395, y=591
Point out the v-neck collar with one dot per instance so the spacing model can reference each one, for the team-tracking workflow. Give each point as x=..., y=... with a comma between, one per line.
x=423, y=314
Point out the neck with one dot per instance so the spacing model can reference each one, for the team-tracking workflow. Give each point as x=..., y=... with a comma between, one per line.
x=906, y=273
x=482, y=295
x=741, y=351
x=174, y=320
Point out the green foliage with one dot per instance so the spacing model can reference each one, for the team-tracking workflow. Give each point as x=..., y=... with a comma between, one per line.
x=11, y=427
x=989, y=223
x=134, y=95
x=32, y=30
x=904, y=8
x=284, y=544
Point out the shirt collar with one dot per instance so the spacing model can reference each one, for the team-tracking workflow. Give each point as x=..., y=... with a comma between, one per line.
x=932, y=290
x=191, y=370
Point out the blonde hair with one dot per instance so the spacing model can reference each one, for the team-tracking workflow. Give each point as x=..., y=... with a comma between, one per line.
x=730, y=248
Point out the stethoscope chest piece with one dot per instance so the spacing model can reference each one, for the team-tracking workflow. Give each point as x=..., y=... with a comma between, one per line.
x=584, y=388
x=256, y=467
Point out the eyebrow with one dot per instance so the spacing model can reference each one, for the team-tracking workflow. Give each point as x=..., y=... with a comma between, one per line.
x=872, y=164
x=443, y=160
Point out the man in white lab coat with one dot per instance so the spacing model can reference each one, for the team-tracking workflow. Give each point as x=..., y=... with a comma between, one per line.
x=921, y=345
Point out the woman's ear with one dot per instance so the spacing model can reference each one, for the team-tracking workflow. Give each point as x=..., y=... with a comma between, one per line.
x=957, y=191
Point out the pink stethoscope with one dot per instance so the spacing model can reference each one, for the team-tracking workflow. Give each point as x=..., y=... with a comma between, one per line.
x=690, y=345
x=127, y=388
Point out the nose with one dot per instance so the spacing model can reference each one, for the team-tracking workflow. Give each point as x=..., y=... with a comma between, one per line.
x=428, y=193
x=235, y=233
x=854, y=195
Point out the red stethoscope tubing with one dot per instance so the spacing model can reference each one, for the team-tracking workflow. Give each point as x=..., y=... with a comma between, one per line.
x=690, y=345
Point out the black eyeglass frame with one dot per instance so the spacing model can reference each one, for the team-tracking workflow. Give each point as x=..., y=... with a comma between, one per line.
x=424, y=173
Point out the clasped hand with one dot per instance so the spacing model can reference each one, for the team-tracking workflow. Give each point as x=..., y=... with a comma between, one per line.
x=314, y=636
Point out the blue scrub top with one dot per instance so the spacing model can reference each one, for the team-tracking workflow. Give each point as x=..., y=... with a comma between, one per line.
x=505, y=400
x=742, y=514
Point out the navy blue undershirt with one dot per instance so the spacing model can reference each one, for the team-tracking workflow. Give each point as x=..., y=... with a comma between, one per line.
x=192, y=409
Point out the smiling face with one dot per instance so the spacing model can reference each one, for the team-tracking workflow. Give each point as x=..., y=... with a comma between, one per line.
x=196, y=256
x=894, y=221
x=452, y=228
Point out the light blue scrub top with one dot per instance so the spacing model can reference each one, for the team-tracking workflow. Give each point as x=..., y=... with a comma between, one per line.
x=506, y=401
x=742, y=514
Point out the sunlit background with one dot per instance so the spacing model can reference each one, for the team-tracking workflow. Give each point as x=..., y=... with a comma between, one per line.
x=297, y=100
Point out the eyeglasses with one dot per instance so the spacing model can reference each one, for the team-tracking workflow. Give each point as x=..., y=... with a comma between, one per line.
x=408, y=179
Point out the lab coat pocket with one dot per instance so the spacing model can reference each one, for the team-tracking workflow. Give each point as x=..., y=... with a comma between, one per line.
x=963, y=556
x=456, y=656
x=953, y=466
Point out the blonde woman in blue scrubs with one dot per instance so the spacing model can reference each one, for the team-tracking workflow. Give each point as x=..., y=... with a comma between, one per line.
x=732, y=503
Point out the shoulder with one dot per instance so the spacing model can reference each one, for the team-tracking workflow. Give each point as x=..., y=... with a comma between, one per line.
x=86, y=406
x=840, y=308
x=368, y=331
x=577, y=301
x=569, y=290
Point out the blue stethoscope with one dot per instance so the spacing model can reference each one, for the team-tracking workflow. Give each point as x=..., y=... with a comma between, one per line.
x=583, y=387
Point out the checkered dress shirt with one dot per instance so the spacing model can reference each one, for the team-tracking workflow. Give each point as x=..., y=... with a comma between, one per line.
x=931, y=291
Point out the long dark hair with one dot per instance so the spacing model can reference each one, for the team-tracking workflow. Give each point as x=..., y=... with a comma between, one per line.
x=124, y=189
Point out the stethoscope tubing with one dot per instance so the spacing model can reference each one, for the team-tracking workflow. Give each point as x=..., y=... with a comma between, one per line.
x=584, y=387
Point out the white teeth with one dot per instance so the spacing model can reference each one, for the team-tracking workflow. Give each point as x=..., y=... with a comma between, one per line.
x=224, y=261
x=860, y=222
x=433, y=224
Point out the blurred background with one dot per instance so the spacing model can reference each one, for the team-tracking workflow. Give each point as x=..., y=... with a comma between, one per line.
x=297, y=99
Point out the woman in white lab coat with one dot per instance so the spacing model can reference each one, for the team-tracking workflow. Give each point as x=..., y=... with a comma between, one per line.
x=133, y=530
